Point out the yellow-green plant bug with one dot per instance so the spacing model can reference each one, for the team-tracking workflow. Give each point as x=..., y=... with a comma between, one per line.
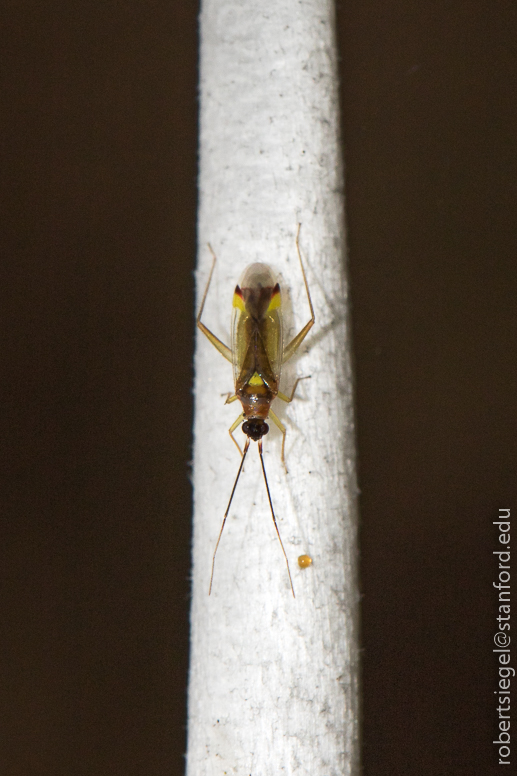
x=257, y=354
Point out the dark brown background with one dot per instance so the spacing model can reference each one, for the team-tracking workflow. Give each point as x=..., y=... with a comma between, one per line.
x=98, y=143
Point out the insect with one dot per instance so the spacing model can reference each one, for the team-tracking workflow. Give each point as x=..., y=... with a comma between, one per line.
x=257, y=354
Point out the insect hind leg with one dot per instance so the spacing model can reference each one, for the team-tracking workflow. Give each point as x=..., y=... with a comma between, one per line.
x=293, y=346
x=223, y=349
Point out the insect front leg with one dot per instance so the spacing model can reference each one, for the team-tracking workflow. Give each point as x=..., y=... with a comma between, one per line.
x=280, y=426
x=233, y=427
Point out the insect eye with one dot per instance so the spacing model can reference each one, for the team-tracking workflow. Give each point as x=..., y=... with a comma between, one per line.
x=255, y=429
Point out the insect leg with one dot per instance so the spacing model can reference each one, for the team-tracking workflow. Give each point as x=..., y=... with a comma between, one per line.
x=278, y=423
x=276, y=420
x=226, y=514
x=230, y=397
x=289, y=399
x=223, y=349
x=233, y=427
x=297, y=341
x=272, y=510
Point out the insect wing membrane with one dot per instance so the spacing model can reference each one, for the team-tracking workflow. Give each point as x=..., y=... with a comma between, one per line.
x=257, y=328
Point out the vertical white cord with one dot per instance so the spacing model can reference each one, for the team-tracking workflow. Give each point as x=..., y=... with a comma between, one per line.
x=273, y=680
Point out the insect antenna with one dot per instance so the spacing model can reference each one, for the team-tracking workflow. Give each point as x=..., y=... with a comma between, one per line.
x=247, y=444
x=272, y=511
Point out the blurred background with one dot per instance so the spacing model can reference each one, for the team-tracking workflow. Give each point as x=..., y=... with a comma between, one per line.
x=98, y=112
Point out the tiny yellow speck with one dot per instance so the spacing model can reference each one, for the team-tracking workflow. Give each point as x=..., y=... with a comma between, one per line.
x=304, y=561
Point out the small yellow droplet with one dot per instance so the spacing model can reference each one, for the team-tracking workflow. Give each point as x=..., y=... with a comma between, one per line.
x=304, y=561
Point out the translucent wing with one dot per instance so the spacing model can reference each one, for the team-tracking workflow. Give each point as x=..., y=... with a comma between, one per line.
x=257, y=329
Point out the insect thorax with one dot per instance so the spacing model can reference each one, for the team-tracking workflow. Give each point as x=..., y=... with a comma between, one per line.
x=256, y=400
